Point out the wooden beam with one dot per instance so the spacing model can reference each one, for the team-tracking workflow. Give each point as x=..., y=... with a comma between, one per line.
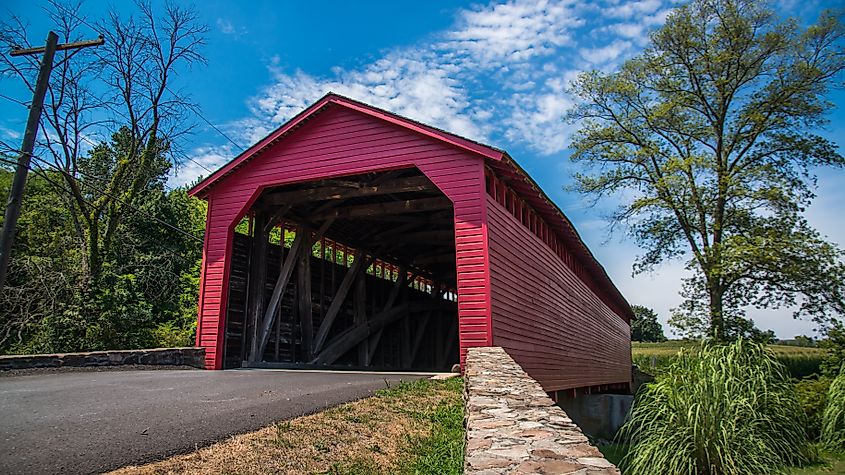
x=451, y=337
x=257, y=278
x=382, y=209
x=271, y=223
x=416, y=218
x=405, y=343
x=372, y=342
x=426, y=233
x=421, y=327
x=444, y=258
x=303, y=287
x=301, y=243
x=353, y=336
x=403, y=185
x=278, y=291
x=354, y=272
x=359, y=310
x=401, y=283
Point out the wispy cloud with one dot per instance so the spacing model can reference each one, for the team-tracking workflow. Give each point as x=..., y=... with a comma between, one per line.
x=498, y=73
x=7, y=133
x=202, y=162
x=228, y=28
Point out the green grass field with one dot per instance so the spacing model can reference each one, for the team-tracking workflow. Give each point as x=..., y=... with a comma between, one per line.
x=652, y=357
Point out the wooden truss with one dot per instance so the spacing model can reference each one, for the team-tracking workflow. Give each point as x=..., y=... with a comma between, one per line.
x=345, y=319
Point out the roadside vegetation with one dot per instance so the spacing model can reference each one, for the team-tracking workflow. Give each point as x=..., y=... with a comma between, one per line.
x=718, y=409
x=681, y=406
x=655, y=358
x=105, y=256
x=409, y=428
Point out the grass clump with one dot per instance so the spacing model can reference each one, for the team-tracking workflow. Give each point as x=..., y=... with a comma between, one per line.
x=442, y=451
x=833, y=418
x=717, y=410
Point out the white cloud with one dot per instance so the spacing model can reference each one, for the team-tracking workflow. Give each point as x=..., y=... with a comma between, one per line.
x=412, y=84
x=511, y=32
x=498, y=72
x=8, y=133
x=605, y=54
x=200, y=162
x=227, y=28
x=632, y=9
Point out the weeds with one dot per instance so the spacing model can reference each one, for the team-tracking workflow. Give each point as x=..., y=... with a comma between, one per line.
x=717, y=410
x=833, y=418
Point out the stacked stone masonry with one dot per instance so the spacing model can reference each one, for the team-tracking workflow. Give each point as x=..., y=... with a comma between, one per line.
x=157, y=356
x=513, y=427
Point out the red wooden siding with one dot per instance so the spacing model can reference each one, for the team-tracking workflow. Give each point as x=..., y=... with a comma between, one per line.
x=545, y=316
x=341, y=141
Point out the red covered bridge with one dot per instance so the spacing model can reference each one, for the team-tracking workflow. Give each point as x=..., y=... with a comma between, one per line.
x=353, y=237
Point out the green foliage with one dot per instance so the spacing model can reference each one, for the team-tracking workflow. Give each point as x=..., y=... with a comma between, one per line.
x=833, y=419
x=442, y=451
x=801, y=340
x=720, y=409
x=710, y=134
x=645, y=326
x=834, y=344
x=145, y=293
x=812, y=393
x=655, y=358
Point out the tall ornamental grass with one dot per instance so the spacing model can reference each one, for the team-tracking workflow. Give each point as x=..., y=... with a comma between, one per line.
x=833, y=418
x=717, y=410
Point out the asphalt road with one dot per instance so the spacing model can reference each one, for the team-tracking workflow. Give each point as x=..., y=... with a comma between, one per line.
x=92, y=422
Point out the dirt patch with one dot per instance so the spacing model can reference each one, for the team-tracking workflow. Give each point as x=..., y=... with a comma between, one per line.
x=373, y=435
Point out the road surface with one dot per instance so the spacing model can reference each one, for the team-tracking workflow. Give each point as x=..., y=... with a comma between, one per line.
x=89, y=422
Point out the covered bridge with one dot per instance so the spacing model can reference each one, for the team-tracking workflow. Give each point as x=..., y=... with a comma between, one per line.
x=351, y=237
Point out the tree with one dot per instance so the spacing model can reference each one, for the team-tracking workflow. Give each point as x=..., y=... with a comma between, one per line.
x=125, y=85
x=711, y=137
x=645, y=326
x=149, y=282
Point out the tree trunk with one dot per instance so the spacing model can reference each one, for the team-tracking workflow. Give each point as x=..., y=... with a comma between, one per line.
x=717, y=318
x=94, y=257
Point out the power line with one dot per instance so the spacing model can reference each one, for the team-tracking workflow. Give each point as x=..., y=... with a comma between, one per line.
x=61, y=187
x=100, y=190
x=239, y=147
x=12, y=99
x=195, y=162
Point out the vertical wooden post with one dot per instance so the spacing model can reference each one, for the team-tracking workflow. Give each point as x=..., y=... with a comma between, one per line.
x=405, y=342
x=303, y=284
x=257, y=282
x=360, y=312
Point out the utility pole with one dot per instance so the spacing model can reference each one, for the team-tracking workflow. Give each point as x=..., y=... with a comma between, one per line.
x=13, y=206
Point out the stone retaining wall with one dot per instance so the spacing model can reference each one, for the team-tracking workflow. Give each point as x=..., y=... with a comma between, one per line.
x=157, y=356
x=513, y=427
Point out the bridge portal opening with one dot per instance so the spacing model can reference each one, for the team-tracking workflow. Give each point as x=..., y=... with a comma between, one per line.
x=355, y=272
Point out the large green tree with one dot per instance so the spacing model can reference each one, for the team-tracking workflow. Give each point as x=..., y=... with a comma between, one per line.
x=645, y=327
x=711, y=139
x=148, y=283
x=126, y=85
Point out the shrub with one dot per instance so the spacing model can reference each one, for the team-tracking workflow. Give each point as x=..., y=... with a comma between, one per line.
x=833, y=419
x=812, y=394
x=717, y=410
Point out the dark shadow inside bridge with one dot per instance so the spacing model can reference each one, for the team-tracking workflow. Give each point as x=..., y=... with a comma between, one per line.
x=356, y=272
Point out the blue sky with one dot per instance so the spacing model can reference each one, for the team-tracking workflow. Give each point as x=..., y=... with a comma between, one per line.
x=495, y=72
